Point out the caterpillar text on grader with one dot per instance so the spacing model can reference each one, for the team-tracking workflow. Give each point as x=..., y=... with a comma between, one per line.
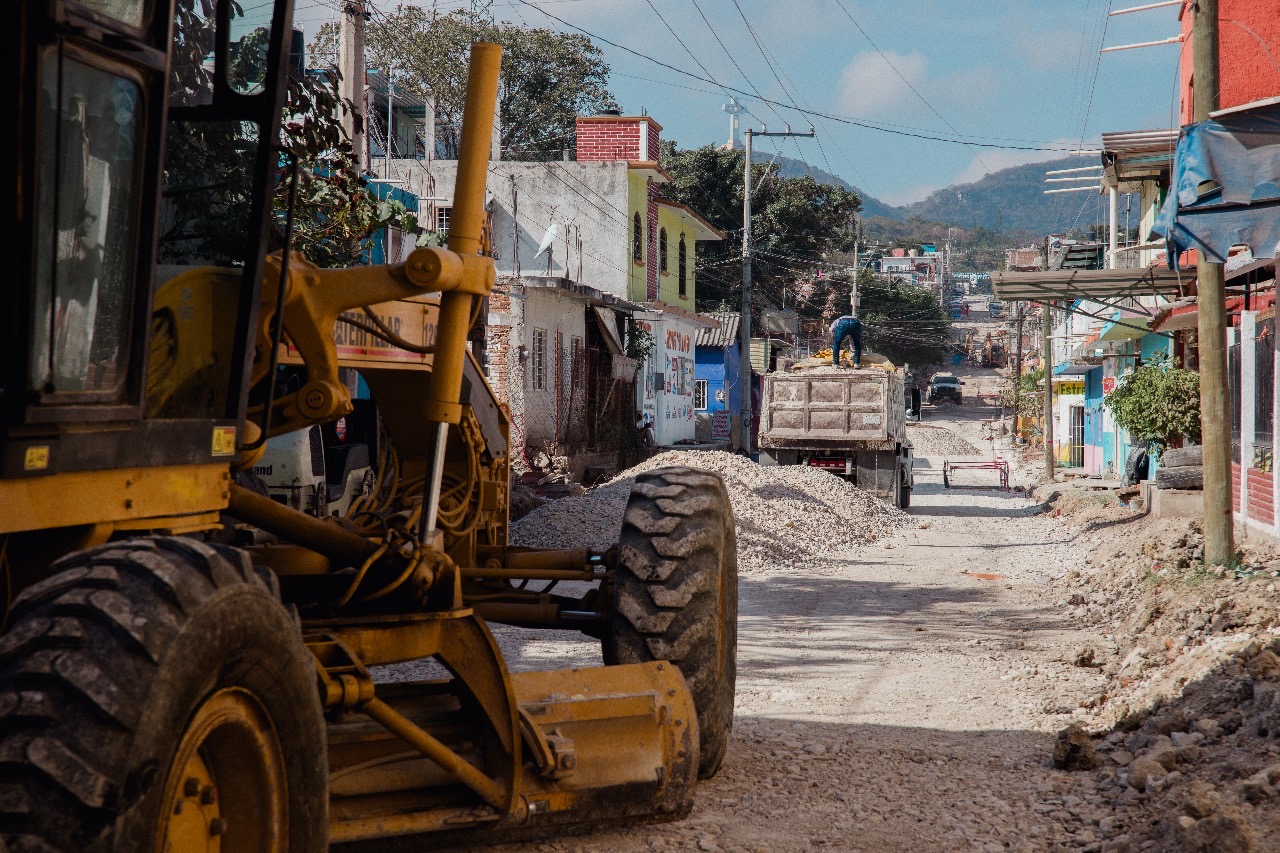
x=185, y=661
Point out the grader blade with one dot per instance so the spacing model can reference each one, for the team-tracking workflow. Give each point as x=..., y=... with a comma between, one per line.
x=601, y=746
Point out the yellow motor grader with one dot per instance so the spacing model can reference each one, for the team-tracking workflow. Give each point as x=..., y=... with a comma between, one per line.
x=185, y=662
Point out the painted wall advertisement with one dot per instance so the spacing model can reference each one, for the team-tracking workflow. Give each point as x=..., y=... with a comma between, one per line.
x=667, y=403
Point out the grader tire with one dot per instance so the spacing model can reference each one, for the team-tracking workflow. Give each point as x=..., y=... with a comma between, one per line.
x=676, y=594
x=154, y=693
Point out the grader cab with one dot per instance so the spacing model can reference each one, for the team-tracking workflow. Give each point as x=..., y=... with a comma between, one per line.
x=186, y=660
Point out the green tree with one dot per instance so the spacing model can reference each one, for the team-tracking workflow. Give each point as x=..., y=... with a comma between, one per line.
x=1159, y=402
x=335, y=212
x=904, y=324
x=548, y=78
x=796, y=222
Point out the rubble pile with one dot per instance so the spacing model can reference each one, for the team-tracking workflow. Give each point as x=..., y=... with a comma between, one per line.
x=1200, y=772
x=1186, y=713
x=786, y=515
x=939, y=441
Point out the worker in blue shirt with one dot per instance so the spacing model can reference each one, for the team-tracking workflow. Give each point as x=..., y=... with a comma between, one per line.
x=848, y=326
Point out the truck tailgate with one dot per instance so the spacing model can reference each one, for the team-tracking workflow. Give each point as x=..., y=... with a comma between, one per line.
x=845, y=406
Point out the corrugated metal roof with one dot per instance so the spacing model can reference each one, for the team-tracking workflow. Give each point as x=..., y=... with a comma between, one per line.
x=725, y=335
x=1131, y=156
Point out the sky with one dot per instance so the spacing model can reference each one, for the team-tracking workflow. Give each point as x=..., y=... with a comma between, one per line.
x=1013, y=74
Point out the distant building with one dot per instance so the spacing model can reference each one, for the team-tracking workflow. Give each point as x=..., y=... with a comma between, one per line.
x=1028, y=259
x=580, y=246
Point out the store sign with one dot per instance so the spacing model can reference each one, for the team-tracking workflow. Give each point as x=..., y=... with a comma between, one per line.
x=1108, y=384
x=720, y=426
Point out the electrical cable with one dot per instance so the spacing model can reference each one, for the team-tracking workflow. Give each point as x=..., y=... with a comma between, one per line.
x=808, y=113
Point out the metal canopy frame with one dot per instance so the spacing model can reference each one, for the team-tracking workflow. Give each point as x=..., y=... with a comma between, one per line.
x=1104, y=286
x=1118, y=289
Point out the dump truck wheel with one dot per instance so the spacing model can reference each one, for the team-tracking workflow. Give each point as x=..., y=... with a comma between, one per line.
x=156, y=695
x=904, y=492
x=676, y=593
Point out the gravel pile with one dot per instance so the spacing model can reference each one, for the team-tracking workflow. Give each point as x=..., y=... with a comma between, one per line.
x=939, y=441
x=786, y=516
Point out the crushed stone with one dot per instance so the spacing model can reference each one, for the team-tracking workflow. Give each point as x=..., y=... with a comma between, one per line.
x=785, y=515
x=929, y=440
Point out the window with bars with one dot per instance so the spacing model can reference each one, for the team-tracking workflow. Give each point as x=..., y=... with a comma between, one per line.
x=683, y=271
x=1233, y=389
x=662, y=249
x=538, y=360
x=443, y=216
x=1264, y=382
x=700, y=394
x=637, y=239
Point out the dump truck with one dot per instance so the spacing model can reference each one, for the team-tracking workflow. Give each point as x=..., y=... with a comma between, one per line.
x=192, y=626
x=849, y=421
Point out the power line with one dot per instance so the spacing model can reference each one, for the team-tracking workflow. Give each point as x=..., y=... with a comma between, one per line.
x=771, y=101
x=901, y=77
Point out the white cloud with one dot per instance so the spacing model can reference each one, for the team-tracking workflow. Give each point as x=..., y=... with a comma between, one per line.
x=869, y=86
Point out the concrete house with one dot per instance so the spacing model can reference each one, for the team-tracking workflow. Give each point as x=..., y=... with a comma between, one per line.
x=588, y=255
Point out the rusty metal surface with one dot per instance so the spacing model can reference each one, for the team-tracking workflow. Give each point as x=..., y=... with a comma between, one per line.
x=612, y=744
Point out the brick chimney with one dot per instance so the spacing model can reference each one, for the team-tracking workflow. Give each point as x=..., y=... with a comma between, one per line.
x=610, y=136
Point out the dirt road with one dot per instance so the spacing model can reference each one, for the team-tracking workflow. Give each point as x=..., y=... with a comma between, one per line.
x=907, y=694
x=901, y=697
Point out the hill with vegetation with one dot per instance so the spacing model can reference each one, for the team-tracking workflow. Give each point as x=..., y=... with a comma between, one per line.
x=1013, y=199
x=1008, y=201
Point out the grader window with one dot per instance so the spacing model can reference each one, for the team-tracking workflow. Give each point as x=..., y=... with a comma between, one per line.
x=191, y=69
x=129, y=12
x=249, y=37
x=87, y=212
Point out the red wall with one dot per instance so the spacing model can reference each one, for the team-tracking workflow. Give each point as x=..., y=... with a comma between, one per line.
x=1246, y=73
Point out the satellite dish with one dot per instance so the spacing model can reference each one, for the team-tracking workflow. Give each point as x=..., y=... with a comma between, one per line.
x=553, y=231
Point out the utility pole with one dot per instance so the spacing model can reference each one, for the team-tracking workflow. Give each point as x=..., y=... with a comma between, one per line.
x=1219, y=545
x=391, y=98
x=744, y=344
x=1017, y=375
x=351, y=68
x=1048, y=389
x=853, y=292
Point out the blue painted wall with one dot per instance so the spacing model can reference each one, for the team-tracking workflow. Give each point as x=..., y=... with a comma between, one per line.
x=719, y=367
x=1094, y=438
x=1154, y=346
x=377, y=245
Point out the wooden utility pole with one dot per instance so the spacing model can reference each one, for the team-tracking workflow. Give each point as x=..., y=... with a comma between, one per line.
x=1017, y=374
x=351, y=67
x=1047, y=361
x=1215, y=413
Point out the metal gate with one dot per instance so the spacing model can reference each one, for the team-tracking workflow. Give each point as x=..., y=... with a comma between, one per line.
x=1076, y=435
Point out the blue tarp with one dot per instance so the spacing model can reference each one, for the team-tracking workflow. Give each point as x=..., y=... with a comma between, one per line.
x=1226, y=187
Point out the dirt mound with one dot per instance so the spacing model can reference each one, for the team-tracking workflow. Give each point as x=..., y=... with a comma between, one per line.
x=786, y=515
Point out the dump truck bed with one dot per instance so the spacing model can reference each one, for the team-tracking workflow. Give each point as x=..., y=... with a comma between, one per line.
x=828, y=407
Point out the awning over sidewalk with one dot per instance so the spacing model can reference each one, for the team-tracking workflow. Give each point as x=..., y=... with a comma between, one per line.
x=1226, y=185
x=1095, y=285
